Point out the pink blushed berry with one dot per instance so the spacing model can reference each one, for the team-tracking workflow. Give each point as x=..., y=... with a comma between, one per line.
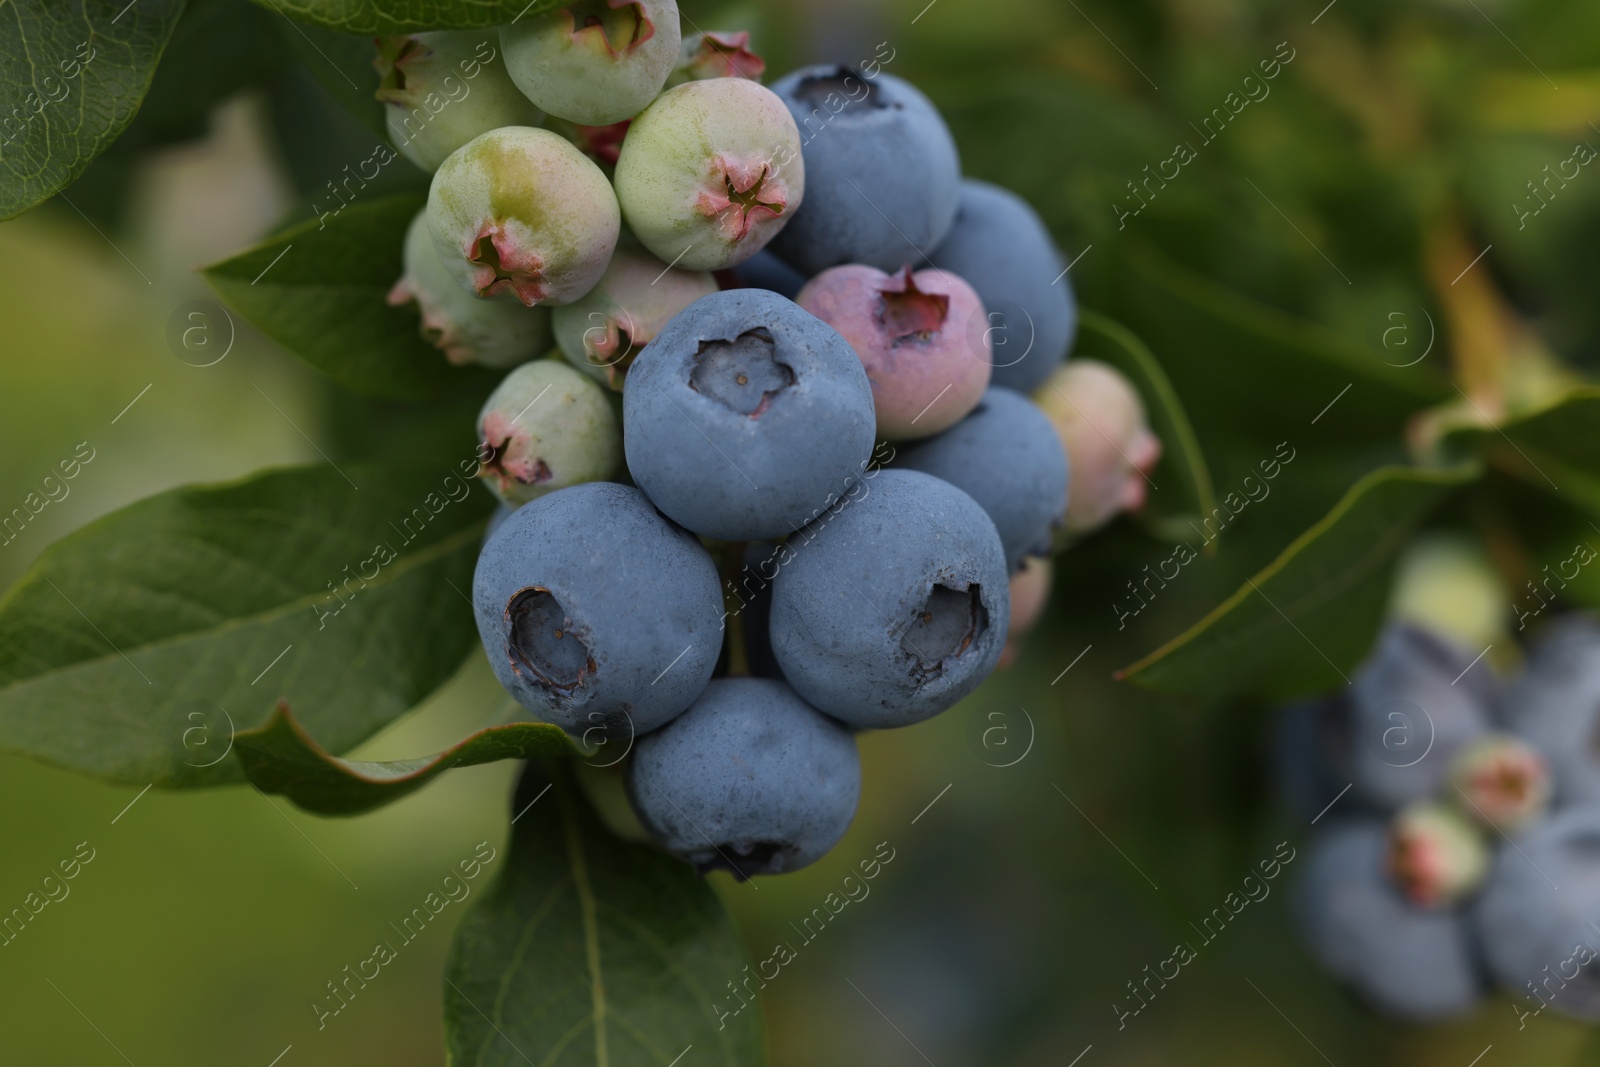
x=909, y=330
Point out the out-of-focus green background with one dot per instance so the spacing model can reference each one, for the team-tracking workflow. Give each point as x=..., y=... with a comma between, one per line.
x=1023, y=899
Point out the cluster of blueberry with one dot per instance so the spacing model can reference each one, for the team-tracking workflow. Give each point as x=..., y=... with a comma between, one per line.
x=830, y=423
x=1467, y=852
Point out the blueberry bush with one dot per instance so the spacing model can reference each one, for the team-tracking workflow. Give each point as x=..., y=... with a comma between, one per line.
x=739, y=385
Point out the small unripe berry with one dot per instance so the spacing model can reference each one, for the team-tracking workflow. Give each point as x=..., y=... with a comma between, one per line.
x=1030, y=593
x=544, y=428
x=1501, y=781
x=1434, y=855
x=1110, y=449
x=467, y=328
x=717, y=55
x=710, y=173
x=604, y=332
x=445, y=88
x=922, y=338
x=594, y=62
x=520, y=211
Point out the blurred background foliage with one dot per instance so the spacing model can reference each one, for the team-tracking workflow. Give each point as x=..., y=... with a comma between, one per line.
x=1389, y=151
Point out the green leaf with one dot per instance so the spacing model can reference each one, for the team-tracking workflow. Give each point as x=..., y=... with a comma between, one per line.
x=1183, y=483
x=593, y=952
x=1559, y=542
x=72, y=75
x=1303, y=622
x=1553, y=447
x=281, y=757
x=378, y=16
x=318, y=289
x=136, y=646
x=220, y=48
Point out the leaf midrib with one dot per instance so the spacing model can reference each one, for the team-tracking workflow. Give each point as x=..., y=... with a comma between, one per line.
x=591, y=930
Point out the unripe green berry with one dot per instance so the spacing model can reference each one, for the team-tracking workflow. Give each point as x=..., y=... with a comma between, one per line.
x=467, y=328
x=594, y=62
x=445, y=88
x=604, y=332
x=710, y=173
x=1500, y=781
x=717, y=55
x=1447, y=585
x=521, y=211
x=546, y=427
x=1434, y=855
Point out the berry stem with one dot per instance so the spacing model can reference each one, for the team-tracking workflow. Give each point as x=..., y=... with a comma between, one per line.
x=1480, y=324
x=1499, y=361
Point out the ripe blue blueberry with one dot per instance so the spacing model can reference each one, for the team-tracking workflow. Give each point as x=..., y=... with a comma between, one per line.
x=1007, y=457
x=883, y=178
x=751, y=780
x=893, y=605
x=1538, y=940
x=1412, y=963
x=598, y=614
x=1555, y=704
x=1001, y=246
x=766, y=271
x=746, y=417
x=502, y=512
x=1413, y=706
